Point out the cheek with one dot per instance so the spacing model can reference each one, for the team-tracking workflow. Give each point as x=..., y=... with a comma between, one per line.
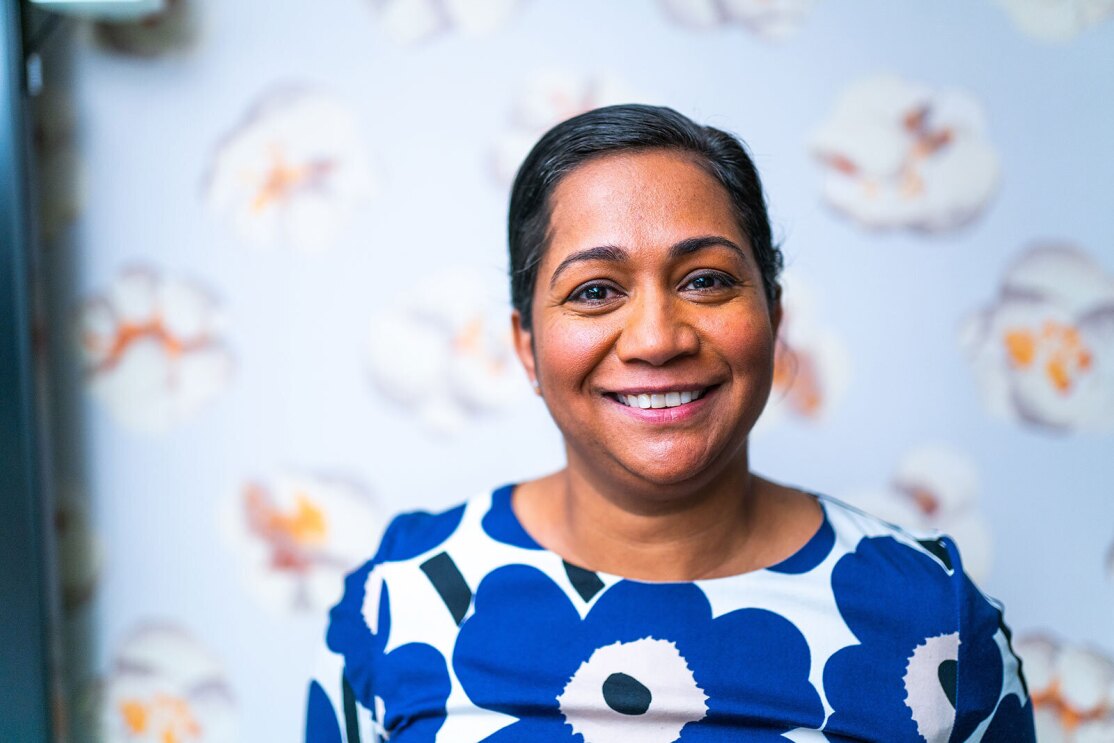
x=746, y=338
x=568, y=353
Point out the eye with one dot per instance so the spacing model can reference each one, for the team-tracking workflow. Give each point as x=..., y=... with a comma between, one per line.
x=709, y=281
x=593, y=294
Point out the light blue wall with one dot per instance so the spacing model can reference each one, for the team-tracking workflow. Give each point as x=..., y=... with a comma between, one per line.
x=300, y=397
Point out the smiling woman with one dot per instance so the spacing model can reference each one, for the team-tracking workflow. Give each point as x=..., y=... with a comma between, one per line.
x=655, y=589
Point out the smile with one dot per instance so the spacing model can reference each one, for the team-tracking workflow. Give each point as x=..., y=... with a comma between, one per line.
x=659, y=400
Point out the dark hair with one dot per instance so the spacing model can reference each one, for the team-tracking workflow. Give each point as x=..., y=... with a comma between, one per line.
x=615, y=129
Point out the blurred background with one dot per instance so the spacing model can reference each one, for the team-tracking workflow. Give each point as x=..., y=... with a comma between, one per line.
x=255, y=302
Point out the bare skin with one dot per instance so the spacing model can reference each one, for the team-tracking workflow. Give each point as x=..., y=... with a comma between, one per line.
x=648, y=285
x=749, y=531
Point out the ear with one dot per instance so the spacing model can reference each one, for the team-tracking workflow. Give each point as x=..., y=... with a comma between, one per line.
x=523, y=339
x=775, y=316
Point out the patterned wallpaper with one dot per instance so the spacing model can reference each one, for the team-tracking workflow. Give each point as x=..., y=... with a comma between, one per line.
x=273, y=307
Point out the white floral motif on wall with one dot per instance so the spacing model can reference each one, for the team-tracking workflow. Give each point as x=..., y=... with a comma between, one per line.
x=1072, y=689
x=410, y=21
x=935, y=487
x=297, y=536
x=152, y=350
x=770, y=19
x=444, y=351
x=293, y=171
x=164, y=687
x=1043, y=351
x=548, y=98
x=900, y=154
x=1057, y=20
x=811, y=365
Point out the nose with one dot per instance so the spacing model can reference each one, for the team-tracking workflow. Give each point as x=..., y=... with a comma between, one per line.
x=655, y=331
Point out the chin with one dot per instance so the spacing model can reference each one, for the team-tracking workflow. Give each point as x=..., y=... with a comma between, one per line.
x=671, y=470
x=677, y=459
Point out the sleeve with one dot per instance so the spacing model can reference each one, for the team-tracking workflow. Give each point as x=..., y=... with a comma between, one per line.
x=992, y=700
x=332, y=713
x=345, y=669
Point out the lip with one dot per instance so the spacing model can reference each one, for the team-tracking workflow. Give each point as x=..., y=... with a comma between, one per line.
x=659, y=389
x=678, y=414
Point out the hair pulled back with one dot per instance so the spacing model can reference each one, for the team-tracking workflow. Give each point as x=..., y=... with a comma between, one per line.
x=618, y=129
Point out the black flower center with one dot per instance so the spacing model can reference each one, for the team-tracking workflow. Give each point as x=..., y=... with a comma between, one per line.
x=626, y=695
x=947, y=674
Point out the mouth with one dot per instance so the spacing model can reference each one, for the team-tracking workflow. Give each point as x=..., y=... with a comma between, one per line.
x=647, y=400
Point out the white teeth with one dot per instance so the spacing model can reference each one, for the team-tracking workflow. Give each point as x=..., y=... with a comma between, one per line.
x=664, y=400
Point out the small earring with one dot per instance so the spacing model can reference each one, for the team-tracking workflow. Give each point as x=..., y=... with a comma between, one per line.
x=536, y=384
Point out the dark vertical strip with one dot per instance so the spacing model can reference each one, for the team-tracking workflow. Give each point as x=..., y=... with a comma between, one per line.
x=26, y=619
x=586, y=583
x=449, y=584
x=351, y=724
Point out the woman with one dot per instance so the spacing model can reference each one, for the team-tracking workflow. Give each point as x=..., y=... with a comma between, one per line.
x=655, y=589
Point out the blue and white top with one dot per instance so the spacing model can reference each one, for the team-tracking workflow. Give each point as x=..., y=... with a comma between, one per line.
x=463, y=628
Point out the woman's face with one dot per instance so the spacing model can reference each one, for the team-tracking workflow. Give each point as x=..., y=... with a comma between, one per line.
x=652, y=340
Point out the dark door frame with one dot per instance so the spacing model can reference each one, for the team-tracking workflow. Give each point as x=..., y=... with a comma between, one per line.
x=25, y=615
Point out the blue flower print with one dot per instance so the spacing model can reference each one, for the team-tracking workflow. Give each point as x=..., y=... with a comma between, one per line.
x=502, y=525
x=927, y=668
x=412, y=534
x=321, y=718
x=1012, y=722
x=648, y=663
x=412, y=681
x=811, y=555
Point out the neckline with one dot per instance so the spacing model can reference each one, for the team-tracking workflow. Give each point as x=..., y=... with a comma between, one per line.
x=502, y=524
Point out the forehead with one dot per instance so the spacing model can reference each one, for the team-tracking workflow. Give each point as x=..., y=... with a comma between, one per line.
x=639, y=199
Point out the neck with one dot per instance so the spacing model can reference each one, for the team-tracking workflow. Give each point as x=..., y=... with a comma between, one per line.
x=649, y=531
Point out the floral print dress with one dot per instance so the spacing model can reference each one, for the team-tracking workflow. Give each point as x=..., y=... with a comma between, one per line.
x=463, y=628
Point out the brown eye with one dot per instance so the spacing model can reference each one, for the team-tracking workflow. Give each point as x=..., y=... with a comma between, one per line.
x=593, y=294
x=709, y=281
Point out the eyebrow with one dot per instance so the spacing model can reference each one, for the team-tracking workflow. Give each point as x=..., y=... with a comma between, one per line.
x=615, y=254
x=695, y=244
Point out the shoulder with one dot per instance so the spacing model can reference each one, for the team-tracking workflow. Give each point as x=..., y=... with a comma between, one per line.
x=487, y=516
x=373, y=625
x=891, y=547
x=914, y=611
x=908, y=577
x=420, y=547
x=416, y=532
x=407, y=536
